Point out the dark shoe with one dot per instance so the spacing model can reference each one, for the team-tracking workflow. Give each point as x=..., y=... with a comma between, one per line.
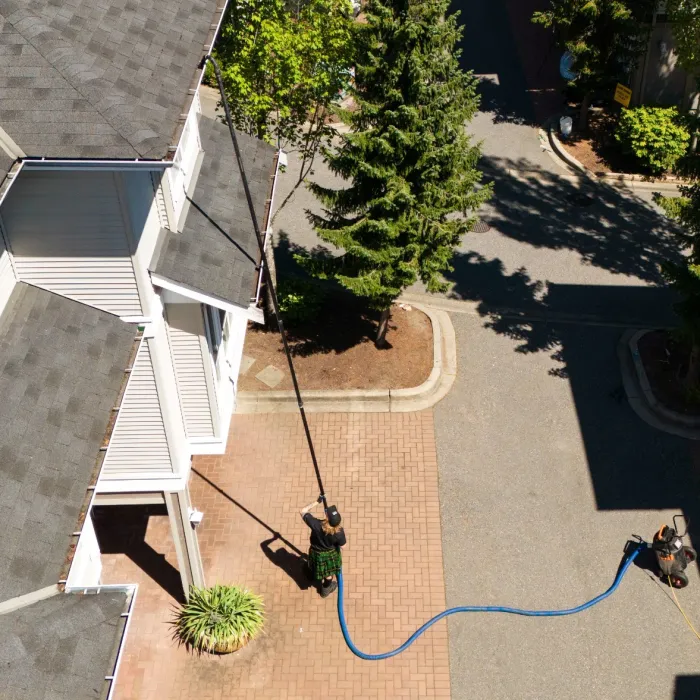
x=327, y=590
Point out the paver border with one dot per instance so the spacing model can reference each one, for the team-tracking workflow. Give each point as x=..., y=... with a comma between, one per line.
x=640, y=395
x=570, y=162
x=425, y=395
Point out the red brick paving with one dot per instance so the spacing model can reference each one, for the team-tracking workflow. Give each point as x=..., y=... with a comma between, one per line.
x=381, y=471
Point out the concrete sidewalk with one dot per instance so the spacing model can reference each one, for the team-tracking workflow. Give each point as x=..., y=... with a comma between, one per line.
x=381, y=471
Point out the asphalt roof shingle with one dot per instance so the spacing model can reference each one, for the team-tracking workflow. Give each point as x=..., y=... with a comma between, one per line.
x=62, y=647
x=84, y=79
x=61, y=367
x=217, y=252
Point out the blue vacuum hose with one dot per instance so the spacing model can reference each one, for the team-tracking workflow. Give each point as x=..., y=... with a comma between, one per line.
x=476, y=608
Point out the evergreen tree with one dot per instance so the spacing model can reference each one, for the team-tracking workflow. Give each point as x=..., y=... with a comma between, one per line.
x=685, y=276
x=410, y=164
x=605, y=37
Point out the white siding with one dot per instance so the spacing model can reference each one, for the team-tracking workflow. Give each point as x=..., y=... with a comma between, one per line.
x=67, y=234
x=186, y=333
x=139, y=446
x=160, y=199
x=7, y=276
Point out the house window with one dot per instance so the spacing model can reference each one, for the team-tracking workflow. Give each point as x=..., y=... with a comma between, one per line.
x=216, y=319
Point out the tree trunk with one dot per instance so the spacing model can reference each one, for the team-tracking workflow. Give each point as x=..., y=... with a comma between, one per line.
x=380, y=342
x=693, y=374
x=270, y=319
x=583, y=116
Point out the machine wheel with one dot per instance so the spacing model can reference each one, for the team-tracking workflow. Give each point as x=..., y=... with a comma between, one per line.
x=690, y=554
x=679, y=580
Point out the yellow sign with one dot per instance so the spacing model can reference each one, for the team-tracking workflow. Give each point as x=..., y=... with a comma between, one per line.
x=623, y=95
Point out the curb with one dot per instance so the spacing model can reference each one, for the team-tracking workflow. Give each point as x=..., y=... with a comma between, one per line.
x=640, y=395
x=570, y=163
x=418, y=398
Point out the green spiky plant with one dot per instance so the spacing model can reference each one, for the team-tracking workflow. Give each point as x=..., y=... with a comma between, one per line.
x=220, y=619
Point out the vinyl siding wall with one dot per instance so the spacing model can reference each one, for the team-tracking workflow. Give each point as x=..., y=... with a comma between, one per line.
x=7, y=276
x=139, y=446
x=67, y=234
x=189, y=352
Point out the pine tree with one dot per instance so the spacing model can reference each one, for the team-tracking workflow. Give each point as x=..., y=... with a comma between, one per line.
x=409, y=161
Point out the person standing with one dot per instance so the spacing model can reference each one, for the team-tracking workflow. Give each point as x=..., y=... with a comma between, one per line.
x=327, y=537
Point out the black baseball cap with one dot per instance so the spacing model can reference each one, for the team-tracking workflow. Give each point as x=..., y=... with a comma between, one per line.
x=333, y=516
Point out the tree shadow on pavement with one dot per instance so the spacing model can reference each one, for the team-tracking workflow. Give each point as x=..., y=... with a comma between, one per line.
x=608, y=228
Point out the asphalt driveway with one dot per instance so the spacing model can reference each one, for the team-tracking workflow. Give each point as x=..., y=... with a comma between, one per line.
x=545, y=472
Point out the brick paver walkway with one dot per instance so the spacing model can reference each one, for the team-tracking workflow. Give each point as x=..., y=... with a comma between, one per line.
x=381, y=471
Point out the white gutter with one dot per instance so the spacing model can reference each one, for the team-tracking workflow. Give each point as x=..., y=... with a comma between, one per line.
x=268, y=230
x=9, y=180
x=42, y=163
x=130, y=589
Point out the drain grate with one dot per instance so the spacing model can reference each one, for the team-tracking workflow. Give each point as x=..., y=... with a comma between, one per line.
x=480, y=227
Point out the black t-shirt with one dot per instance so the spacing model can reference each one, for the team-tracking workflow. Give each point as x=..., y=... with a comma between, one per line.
x=319, y=539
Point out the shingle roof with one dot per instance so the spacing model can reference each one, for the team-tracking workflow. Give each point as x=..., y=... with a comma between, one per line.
x=61, y=367
x=61, y=647
x=87, y=79
x=217, y=252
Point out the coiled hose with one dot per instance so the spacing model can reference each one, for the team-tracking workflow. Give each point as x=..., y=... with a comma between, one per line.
x=477, y=608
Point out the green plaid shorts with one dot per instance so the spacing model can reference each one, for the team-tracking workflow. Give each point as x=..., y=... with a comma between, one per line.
x=324, y=564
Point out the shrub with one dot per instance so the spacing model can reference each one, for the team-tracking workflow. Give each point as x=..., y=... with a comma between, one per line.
x=299, y=299
x=220, y=618
x=654, y=135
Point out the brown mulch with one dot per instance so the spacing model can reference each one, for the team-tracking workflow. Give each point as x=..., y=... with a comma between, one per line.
x=596, y=148
x=665, y=361
x=337, y=351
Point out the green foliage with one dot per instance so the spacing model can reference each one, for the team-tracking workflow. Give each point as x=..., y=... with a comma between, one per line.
x=409, y=162
x=685, y=18
x=685, y=276
x=219, y=618
x=654, y=135
x=299, y=300
x=606, y=37
x=280, y=65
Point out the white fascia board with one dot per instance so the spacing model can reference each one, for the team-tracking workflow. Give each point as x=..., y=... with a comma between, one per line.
x=208, y=446
x=196, y=295
x=172, y=483
x=10, y=179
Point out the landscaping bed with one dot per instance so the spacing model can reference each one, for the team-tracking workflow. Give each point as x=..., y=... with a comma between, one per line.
x=596, y=148
x=336, y=350
x=665, y=362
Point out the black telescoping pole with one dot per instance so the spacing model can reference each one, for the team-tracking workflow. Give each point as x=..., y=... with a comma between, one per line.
x=266, y=272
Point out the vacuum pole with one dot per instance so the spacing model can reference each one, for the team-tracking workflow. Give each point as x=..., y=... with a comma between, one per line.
x=268, y=277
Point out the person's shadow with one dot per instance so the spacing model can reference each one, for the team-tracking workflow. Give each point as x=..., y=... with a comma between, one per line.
x=294, y=564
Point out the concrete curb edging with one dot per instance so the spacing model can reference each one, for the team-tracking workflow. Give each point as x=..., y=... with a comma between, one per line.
x=571, y=163
x=423, y=396
x=642, y=398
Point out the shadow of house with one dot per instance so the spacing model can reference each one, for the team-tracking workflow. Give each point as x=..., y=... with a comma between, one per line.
x=489, y=48
x=122, y=530
x=632, y=466
x=687, y=688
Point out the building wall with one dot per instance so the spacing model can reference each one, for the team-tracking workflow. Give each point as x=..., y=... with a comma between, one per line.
x=67, y=234
x=7, y=276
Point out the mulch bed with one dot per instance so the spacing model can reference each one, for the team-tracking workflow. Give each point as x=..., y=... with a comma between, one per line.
x=337, y=351
x=596, y=148
x=665, y=361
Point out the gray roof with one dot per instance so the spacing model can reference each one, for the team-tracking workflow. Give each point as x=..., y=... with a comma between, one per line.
x=86, y=79
x=217, y=252
x=61, y=648
x=61, y=367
